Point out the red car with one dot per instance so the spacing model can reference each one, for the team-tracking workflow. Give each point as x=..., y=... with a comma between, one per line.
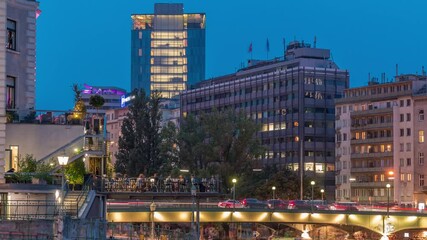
x=345, y=206
x=230, y=203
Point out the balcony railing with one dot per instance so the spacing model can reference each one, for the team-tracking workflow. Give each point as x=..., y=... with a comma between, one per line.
x=372, y=140
x=371, y=155
x=365, y=126
x=42, y=117
x=367, y=169
x=369, y=184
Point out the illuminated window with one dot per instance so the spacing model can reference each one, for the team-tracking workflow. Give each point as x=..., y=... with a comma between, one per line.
x=421, y=136
x=11, y=35
x=409, y=177
x=320, y=168
x=296, y=124
x=296, y=139
x=10, y=92
x=382, y=177
x=309, y=166
x=402, y=177
x=363, y=135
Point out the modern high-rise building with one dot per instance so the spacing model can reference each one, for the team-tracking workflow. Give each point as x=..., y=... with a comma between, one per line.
x=167, y=49
x=293, y=100
x=381, y=147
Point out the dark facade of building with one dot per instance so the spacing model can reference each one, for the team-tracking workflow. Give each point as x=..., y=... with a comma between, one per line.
x=167, y=50
x=293, y=100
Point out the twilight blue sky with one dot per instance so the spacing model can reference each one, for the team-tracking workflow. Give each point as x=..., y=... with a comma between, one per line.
x=88, y=41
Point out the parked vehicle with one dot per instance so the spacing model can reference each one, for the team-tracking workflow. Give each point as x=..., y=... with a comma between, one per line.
x=230, y=203
x=277, y=204
x=254, y=203
x=344, y=206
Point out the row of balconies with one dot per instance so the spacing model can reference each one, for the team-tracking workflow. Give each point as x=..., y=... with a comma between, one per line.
x=374, y=111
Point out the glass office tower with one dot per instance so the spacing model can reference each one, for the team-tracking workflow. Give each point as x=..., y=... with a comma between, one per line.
x=168, y=50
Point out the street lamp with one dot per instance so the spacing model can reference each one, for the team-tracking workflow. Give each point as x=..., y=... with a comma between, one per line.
x=312, y=183
x=152, y=210
x=194, y=194
x=274, y=192
x=234, y=193
x=388, y=198
x=62, y=160
x=322, y=191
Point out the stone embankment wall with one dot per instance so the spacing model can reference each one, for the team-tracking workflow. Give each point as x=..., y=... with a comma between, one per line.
x=59, y=229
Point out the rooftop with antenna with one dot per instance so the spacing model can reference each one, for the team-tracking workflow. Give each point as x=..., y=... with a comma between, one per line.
x=298, y=49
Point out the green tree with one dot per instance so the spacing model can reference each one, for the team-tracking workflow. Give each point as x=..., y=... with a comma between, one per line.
x=191, y=144
x=96, y=101
x=168, y=154
x=79, y=106
x=286, y=181
x=75, y=171
x=28, y=167
x=27, y=164
x=139, y=143
x=220, y=142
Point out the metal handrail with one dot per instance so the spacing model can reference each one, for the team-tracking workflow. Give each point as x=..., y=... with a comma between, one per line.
x=83, y=195
x=61, y=149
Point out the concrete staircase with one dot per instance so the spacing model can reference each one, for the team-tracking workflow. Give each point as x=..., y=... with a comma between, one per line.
x=78, y=203
x=71, y=203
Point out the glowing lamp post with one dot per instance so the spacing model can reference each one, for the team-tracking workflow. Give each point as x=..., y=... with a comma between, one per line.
x=152, y=210
x=312, y=183
x=322, y=191
x=274, y=192
x=388, y=198
x=234, y=192
x=62, y=160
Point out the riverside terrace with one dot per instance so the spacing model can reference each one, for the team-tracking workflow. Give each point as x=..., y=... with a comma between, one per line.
x=157, y=184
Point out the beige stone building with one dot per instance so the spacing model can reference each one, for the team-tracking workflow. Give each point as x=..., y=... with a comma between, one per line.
x=380, y=130
x=17, y=64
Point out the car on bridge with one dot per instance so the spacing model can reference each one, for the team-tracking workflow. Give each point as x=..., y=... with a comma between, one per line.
x=254, y=203
x=277, y=204
x=308, y=204
x=344, y=206
x=230, y=203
